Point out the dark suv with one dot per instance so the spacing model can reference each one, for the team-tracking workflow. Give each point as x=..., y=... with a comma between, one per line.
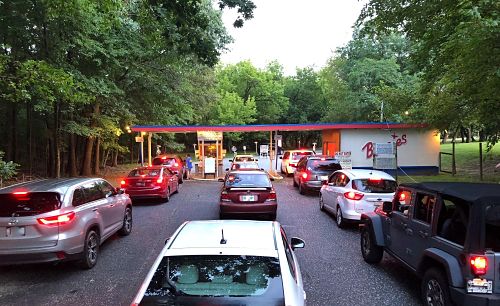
x=313, y=170
x=447, y=233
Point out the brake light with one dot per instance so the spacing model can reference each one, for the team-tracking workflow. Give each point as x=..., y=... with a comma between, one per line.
x=176, y=165
x=272, y=195
x=224, y=197
x=479, y=265
x=123, y=183
x=20, y=193
x=160, y=180
x=304, y=175
x=293, y=165
x=164, y=157
x=376, y=179
x=402, y=197
x=351, y=195
x=57, y=220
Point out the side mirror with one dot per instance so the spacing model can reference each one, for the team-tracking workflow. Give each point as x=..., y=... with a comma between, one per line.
x=387, y=207
x=119, y=190
x=281, y=157
x=297, y=243
x=227, y=169
x=220, y=180
x=271, y=178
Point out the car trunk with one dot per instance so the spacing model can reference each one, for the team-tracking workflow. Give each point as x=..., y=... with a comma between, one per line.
x=19, y=226
x=372, y=200
x=248, y=195
x=141, y=182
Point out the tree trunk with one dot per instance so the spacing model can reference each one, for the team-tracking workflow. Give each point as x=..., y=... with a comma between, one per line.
x=97, y=156
x=57, y=145
x=115, y=158
x=29, y=136
x=87, y=157
x=11, y=152
x=72, y=156
x=445, y=136
x=462, y=134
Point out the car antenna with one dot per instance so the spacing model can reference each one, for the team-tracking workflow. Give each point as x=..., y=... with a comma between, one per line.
x=223, y=241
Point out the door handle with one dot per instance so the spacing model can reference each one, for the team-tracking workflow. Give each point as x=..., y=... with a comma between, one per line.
x=112, y=205
x=423, y=234
x=95, y=209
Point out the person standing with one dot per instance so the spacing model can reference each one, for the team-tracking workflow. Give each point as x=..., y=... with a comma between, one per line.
x=189, y=165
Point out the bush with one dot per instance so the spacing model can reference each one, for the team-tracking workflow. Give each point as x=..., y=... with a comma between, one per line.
x=7, y=169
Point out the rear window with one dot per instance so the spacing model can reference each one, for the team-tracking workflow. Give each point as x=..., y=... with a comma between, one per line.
x=144, y=172
x=163, y=161
x=30, y=204
x=247, y=180
x=299, y=155
x=199, y=279
x=374, y=186
x=492, y=221
x=244, y=158
x=324, y=165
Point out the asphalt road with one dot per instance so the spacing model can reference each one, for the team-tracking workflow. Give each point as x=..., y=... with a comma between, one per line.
x=333, y=270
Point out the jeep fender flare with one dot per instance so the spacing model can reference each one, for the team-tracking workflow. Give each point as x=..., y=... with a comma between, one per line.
x=374, y=223
x=450, y=264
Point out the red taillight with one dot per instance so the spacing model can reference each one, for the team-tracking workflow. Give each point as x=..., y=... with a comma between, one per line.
x=20, y=193
x=479, y=265
x=57, y=220
x=164, y=157
x=224, y=197
x=402, y=197
x=272, y=195
x=304, y=175
x=176, y=165
x=375, y=179
x=123, y=183
x=159, y=180
x=351, y=195
x=293, y=165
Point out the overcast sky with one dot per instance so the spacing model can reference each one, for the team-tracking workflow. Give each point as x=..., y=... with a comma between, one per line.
x=296, y=33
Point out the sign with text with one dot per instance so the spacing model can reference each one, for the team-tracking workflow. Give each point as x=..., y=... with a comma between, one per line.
x=139, y=139
x=345, y=159
x=384, y=156
x=209, y=164
x=209, y=135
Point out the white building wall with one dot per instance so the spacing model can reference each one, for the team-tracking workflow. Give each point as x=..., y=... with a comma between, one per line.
x=417, y=147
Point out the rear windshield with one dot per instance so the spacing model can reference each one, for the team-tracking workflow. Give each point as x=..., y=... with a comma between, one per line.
x=492, y=221
x=163, y=161
x=217, y=279
x=244, y=166
x=144, y=172
x=247, y=180
x=374, y=186
x=324, y=165
x=244, y=158
x=29, y=204
x=298, y=155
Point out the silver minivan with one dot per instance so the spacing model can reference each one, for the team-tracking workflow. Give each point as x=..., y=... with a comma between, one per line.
x=60, y=219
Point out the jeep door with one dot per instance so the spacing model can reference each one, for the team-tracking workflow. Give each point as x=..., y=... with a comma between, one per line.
x=398, y=242
x=419, y=228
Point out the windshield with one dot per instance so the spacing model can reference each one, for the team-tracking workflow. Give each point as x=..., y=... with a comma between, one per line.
x=201, y=279
x=492, y=221
x=298, y=155
x=30, y=204
x=248, y=180
x=324, y=165
x=144, y=172
x=374, y=186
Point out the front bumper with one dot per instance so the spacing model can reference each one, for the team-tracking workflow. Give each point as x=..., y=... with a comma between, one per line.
x=460, y=297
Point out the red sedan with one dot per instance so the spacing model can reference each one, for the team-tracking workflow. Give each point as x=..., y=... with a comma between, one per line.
x=248, y=192
x=151, y=182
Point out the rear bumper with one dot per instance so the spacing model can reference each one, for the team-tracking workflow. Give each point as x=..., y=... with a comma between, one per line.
x=18, y=259
x=313, y=185
x=460, y=297
x=156, y=192
x=252, y=209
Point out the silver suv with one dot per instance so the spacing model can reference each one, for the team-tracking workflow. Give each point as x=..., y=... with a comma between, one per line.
x=60, y=219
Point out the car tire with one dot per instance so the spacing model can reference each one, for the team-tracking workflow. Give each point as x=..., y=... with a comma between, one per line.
x=166, y=197
x=294, y=183
x=127, y=223
x=321, y=203
x=302, y=189
x=435, y=288
x=339, y=218
x=371, y=252
x=90, y=250
x=177, y=189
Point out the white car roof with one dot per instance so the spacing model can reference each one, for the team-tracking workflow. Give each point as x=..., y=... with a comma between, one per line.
x=238, y=234
x=367, y=173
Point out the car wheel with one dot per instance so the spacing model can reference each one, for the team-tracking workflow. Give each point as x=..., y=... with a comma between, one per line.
x=321, y=203
x=339, y=218
x=435, y=288
x=177, y=189
x=371, y=252
x=90, y=250
x=127, y=223
x=294, y=183
x=302, y=189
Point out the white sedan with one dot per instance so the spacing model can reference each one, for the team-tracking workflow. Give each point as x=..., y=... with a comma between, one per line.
x=225, y=262
x=349, y=193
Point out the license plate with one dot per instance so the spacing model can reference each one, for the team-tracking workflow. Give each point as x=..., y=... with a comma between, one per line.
x=16, y=231
x=140, y=184
x=323, y=178
x=248, y=198
x=479, y=285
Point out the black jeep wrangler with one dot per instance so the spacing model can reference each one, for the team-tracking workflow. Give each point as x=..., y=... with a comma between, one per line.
x=447, y=233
